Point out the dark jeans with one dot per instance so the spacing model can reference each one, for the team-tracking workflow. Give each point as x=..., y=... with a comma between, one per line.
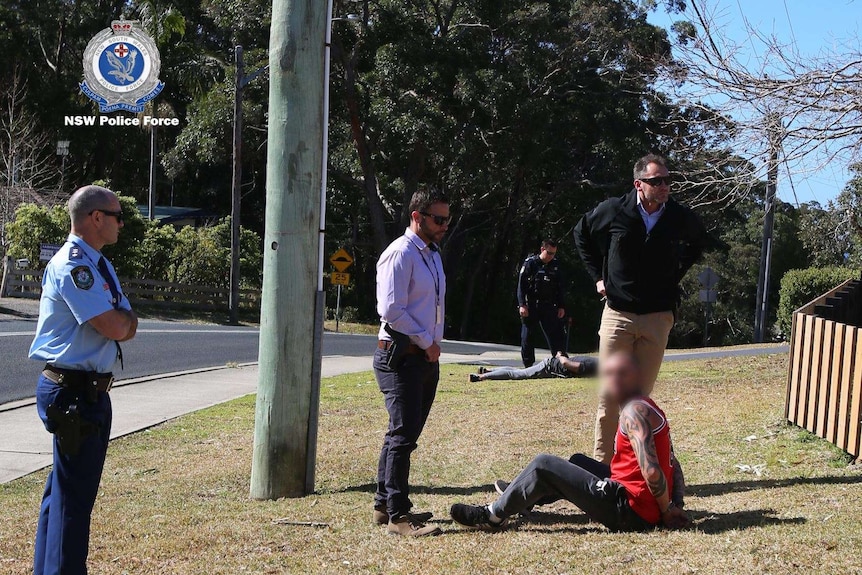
x=543, y=318
x=409, y=393
x=581, y=480
x=63, y=532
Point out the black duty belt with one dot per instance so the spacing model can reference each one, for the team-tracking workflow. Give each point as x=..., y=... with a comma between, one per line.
x=77, y=379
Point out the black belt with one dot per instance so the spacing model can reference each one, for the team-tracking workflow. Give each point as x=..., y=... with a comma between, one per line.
x=412, y=349
x=77, y=379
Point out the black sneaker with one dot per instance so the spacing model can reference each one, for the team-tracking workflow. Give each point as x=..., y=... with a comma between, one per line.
x=475, y=516
x=483, y=370
x=500, y=486
x=474, y=378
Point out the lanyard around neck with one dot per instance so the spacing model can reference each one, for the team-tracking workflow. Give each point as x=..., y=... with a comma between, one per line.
x=433, y=271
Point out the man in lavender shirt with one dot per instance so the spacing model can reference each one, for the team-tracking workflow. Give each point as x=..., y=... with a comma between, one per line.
x=411, y=292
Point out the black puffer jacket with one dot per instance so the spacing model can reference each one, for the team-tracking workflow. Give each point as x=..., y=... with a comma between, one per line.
x=641, y=271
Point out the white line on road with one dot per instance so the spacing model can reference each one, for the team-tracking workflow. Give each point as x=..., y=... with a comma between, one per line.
x=190, y=331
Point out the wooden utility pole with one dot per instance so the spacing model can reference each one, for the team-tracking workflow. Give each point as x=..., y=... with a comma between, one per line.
x=287, y=396
x=762, y=310
x=235, y=186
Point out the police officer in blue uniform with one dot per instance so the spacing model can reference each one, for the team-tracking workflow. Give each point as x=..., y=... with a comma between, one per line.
x=541, y=302
x=83, y=317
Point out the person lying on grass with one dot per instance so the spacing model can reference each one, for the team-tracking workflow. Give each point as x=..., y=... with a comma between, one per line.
x=559, y=366
x=641, y=489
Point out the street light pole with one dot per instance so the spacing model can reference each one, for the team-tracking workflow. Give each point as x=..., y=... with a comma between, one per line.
x=235, y=191
x=240, y=82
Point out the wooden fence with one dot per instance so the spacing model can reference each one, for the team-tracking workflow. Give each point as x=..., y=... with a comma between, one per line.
x=824, y=383
x=27, y=283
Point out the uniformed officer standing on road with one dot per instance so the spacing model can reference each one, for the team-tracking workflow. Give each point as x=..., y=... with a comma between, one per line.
x=411, y=298
x=541, y=302
x=83, y=316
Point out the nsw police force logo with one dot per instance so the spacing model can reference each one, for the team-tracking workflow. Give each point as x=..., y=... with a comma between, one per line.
x=121, y=68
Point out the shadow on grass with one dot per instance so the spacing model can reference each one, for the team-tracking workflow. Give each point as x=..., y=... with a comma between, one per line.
x=706, y=522
x=424, y=489
x=713, y=523
x=713, y=489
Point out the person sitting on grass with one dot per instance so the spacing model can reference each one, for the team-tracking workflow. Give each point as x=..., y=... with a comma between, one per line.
x=559, y=366
x=641, y=489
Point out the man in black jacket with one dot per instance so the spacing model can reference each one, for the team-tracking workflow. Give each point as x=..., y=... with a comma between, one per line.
x=637, y=249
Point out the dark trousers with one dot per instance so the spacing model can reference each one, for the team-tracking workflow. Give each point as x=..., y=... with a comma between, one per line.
x=63, y=532
x=543, y=318
x=408, y=392
x=581, y=480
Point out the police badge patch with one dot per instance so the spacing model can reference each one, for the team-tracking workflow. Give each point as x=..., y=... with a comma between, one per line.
x=121, y=68
x=83, y=277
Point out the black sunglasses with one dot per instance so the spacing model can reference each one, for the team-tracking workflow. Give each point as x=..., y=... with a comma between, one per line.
x=118, y=215
x=439, y=220
x=666, y=180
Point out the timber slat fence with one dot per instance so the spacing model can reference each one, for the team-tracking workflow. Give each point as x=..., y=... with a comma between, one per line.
x=824, y=383
x=27, y=283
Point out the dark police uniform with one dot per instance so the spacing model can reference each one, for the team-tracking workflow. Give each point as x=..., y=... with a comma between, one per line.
x=541, y=290
x=72, y=400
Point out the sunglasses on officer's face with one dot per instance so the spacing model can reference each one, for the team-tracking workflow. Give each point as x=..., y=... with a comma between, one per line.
x=118, y=215
x=666, y=180
x=439, y=220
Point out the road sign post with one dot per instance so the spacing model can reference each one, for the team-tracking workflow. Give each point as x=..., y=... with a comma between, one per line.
x=709, y=280
x=341, y=261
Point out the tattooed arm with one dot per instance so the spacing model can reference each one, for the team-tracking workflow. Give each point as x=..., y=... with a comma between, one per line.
x=637, y=421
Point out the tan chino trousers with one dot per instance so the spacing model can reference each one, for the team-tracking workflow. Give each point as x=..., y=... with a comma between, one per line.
x=644, y=335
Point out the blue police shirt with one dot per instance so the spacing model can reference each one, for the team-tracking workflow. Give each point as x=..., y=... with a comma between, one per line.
x=74, y=292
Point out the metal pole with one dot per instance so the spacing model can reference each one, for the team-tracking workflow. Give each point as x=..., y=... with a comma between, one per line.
x=762, y=301
x=151, y=194
x=285, y=416
x=706, y=311
x=235, y=191
x=338, y=309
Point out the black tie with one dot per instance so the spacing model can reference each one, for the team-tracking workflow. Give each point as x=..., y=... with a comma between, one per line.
x=115, y=297
x=106, y=273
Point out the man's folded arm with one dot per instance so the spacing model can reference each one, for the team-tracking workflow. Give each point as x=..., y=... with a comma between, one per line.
x=116, y=324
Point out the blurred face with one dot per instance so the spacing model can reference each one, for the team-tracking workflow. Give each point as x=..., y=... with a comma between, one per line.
x=548, y=253
x=620, y=377
x=107, y=221
x=654, y=185
x=433, y=224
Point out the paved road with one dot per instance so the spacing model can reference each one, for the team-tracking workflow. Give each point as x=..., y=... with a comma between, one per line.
x=165, y=347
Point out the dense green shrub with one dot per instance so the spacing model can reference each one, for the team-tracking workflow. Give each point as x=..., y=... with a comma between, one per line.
x=798, y=287
x=145, y=249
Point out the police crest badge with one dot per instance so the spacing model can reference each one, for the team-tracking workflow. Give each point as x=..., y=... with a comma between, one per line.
x=83, y=278
x=121, y=68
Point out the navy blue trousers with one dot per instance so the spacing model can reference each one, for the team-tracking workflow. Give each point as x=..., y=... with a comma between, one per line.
x=543, y=318
x=63, y=533
x=408, y=392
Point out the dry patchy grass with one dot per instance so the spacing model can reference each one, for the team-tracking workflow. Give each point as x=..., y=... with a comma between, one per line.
x=175, y=499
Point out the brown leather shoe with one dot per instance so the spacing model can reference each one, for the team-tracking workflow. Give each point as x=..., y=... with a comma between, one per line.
x=406, y=526
x=381, y=516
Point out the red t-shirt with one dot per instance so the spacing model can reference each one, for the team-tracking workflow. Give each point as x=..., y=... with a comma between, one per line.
x=626, y=471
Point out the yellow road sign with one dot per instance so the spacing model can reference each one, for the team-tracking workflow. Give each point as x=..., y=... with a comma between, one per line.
x=341, y=260
x=340, y=279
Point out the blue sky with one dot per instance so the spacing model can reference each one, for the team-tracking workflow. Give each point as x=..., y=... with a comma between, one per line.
x=813, y=26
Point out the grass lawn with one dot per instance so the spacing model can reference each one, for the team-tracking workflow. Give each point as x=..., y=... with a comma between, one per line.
x=174, y=499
